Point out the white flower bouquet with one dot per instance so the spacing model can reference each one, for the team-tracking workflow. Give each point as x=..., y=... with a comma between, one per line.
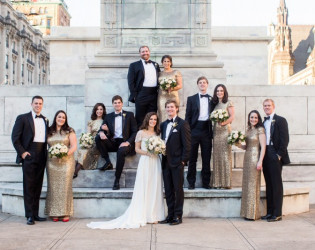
x=58, y=150
x=86, y=140
x=236, y=137
x=219, y=115
x=155, y=145
x=166, y=84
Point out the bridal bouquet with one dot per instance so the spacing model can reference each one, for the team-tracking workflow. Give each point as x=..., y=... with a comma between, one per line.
x=155, y=145
x=86, y=140
x=166, y=84
x=219, y=115
x=58, y=150
x=236, y=137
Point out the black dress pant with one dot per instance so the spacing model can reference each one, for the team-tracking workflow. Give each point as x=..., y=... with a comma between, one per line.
x=105, y=146
x=146, y=102
x=33, y=174
x=200, y=135
x=173, y=178
x=272, y=169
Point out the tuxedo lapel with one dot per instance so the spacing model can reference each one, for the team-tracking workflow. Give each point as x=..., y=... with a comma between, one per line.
x=123, y=118
x=31, y=121
x=112, y=122
x=164, y=130
x=272, y=126
x=197, y=100
x=209, y=106
x=172, y=128
x=142, y=68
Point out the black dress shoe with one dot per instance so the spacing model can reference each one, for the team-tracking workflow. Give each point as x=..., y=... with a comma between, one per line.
x=166, y=221
x=191, y=186
x=116, y=185
x=274, y=218
x=30, y=221
x=37, y=218
x=107, y=166
x=206, y=187
x=176, y=221
x=266, y=217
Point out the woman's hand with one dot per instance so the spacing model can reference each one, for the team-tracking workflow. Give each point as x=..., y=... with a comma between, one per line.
x=259, y=165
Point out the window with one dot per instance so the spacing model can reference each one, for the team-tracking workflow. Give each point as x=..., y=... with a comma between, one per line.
x=22, y=70
x=41, y=10
x=48, y=23
x=39, y=79
x=13, y=67
x=22, y=51
x=13, y=45
x=6, y=79
x=32, y=11
x=42, y=22
x=46, y=10
x=7, y=42
x=6, y=61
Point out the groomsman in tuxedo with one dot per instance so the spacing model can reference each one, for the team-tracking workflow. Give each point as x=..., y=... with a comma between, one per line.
x=277, y=138
x=143, y=84
x=117, y=134
x=198, y=109
x=176, y=133
x=29, y=138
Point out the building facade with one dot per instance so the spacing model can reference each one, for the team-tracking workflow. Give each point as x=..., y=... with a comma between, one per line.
x=24, y=56
x=43, y=14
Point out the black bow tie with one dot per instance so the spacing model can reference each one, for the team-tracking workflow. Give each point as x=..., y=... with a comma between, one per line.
x=119, y=114
x=149, y=61
x=39, y=116
x=266, y=118
x=169, y=120
x=206, y=95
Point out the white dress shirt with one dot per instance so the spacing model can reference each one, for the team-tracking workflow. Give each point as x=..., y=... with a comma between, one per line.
x=267, y=125
x=168, y=128
x=40, y=129
x=150, y=79
x=118, y=126
x=204, y=108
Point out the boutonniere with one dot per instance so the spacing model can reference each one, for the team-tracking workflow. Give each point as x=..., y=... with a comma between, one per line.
x=46, y=120
x=273, y=121
x=124, y=114
x=174, y=124
x=155, y=65
x=210, y=98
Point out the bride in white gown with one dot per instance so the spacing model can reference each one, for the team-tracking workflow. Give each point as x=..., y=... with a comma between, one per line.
x=147, y=203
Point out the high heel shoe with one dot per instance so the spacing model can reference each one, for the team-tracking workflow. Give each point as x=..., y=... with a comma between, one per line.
x=65, y=219
x=78, y=166
x=55, y=219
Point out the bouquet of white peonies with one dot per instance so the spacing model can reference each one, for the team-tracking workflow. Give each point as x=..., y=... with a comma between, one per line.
x=155, y=145
x=166, y=84
x=236, y=137
x=58, y=150
x=219, y=115
x=86, y=140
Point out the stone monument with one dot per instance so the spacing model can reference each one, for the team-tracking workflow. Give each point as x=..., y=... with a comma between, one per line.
x=180, y=28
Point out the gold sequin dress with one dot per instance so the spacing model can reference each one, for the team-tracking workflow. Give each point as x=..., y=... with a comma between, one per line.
x=59, y=200
x=251, y=176
x=163, y=96
x=222, y=152
x=88, y=157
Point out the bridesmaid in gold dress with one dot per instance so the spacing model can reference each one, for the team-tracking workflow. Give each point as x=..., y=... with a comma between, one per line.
x=87, y=157
x=59, y=200
x=172, y=93
x=222, y=151
x=255, y=151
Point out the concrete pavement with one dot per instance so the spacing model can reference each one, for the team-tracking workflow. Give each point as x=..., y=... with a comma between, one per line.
x=293, y=232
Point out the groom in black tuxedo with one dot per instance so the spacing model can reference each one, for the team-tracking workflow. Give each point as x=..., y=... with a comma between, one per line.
x=176, y=133
x=143, y=84
x=277, y=139
x=117, y=134
x=198, y=109
x=29, y=138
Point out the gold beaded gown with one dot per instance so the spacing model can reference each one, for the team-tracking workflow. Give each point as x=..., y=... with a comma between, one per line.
x=222, y=152
x=88, y=157
x=59, y=200
x=251, y=176
x=163, y=96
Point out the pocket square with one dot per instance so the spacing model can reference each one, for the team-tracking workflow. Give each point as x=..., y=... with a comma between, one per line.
x=175, y=130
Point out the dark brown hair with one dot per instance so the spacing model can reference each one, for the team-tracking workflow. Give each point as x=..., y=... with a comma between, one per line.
x=145, y=123
x=93, y=115
x=37, y=97
x=259, y=123
x=215, y=98
x=202, y=78
x=65, y=127
x=117, y=97
x=168, y=57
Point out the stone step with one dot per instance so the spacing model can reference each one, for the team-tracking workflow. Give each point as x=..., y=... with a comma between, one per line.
x=106, y=203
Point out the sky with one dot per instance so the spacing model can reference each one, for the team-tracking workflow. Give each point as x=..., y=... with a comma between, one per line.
x=224, y=12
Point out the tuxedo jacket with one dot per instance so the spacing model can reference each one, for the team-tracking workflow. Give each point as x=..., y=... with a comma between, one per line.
x=193, y=111
x=178, y=143
x=23, y=133
x=129, y=127
x=136, y=78
x=279, y=136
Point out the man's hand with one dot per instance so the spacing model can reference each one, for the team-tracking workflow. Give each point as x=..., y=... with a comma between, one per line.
x=124, y=144
x=103, y=136
x=104, y=127
x=25, y=154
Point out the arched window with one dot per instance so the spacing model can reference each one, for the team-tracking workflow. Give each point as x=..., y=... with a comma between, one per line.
x=41, y=10
x=32, y=11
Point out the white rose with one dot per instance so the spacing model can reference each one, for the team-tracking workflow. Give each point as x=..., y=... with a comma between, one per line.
x=57, y=151
x=150, y=147
x=220, y=116
x=235, y=136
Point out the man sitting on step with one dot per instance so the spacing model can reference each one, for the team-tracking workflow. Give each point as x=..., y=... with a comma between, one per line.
x=117, y=134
